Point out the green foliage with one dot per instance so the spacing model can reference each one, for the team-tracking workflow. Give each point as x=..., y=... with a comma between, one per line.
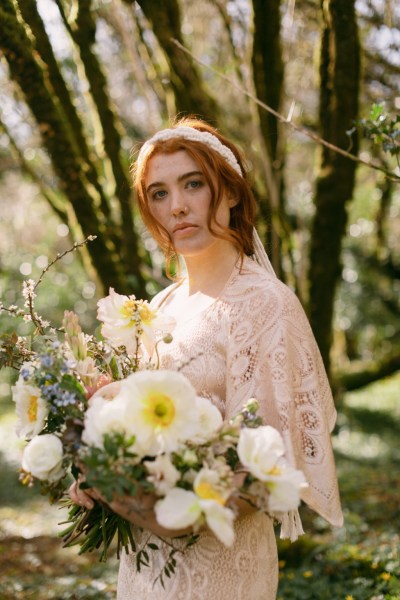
x=383, y=129
x=114, y=469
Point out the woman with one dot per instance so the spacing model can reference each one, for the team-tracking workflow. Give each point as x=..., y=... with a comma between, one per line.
x=240, y=333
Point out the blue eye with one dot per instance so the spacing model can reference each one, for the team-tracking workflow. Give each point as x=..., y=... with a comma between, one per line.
x=159, y=194
x=194, y=184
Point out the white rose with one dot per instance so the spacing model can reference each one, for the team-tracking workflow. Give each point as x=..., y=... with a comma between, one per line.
x=209, y=421
x=104, y=417
x=31, y=409
x=259, y=450
x=43, y=457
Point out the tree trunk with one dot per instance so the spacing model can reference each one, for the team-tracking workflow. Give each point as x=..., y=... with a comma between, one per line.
x=339, y=89
x=32, y=79
x=187, y=85
x=83, y=32
x=268, y=73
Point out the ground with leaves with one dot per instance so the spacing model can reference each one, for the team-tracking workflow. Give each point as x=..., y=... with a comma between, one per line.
x=359, y=562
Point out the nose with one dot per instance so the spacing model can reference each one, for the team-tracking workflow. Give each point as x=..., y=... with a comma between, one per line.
x=178, y=206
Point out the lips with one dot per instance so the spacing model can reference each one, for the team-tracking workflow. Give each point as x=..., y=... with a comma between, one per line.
x=182, y=227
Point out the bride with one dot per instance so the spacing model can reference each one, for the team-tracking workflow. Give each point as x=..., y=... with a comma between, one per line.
x=247, y=336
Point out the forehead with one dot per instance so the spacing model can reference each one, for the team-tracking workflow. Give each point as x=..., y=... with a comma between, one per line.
x=161, y=167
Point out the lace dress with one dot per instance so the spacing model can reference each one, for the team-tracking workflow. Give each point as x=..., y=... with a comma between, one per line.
x=252, y=341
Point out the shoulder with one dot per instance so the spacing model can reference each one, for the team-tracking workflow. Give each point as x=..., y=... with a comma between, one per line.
x=258, y=290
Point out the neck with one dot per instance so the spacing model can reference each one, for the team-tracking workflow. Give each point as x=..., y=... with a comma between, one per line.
x=209, y=272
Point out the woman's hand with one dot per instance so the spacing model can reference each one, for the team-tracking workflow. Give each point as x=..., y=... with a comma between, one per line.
x=82, y=497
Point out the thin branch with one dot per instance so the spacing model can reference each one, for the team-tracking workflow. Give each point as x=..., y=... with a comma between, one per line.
x=61, y=255
x=286, y=121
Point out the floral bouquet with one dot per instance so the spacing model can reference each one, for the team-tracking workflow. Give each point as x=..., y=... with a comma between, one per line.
x=103, y=411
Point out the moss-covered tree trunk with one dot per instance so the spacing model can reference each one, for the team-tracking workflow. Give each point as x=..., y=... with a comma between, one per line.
x=339, y=90
x=268, y=74
x=190, y=94
x=34, y=70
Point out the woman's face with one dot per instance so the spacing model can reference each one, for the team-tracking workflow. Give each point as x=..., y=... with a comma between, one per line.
x=179, y=199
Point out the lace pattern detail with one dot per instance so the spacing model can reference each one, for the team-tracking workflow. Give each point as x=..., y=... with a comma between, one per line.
x=253, y=341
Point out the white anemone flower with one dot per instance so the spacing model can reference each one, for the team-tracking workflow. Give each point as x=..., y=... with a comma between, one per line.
x=31, y=408
x=43, y=457
x=209, y=421
x=220, y=520
x=126, y=320
x=182, y=508
x=179, y=509
x=260, y=449
x=284, y=484
x=160, y=410
x=208, y=486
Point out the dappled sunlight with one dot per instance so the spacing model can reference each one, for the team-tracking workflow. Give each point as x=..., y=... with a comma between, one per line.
x=356, y=444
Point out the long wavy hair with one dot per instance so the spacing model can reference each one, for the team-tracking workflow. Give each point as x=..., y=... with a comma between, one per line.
x=222, y=179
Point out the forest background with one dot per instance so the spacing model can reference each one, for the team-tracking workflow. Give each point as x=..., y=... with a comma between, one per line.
x=311, y=92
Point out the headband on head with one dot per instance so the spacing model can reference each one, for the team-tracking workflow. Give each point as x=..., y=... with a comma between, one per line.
x=194, y=135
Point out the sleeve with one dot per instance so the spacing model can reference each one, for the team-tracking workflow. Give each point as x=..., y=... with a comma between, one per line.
x=272, y=356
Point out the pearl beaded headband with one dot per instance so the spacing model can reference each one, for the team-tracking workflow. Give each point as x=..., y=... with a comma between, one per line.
x=207, y=138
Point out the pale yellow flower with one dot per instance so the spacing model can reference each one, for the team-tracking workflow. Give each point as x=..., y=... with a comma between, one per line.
x=31, y=409
x=126, y=321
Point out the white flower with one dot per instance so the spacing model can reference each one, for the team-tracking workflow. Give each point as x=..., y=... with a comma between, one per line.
x=163, y=474
x=179, y=509
x=209, y=421
x=259, y=450
x=220, y=520
x=43, y=458
x=31, y=409
x=103, y=416
x=126, y=320
x=208, y=486
x=183, y=508
x=159, y=409
x=284, y=484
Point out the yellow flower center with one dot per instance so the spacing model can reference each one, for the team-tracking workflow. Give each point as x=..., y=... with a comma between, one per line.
x=146, y=314
x=206, y=491
x=159, y=410
x=275, y=471
x=128, y=309
x=33, y=408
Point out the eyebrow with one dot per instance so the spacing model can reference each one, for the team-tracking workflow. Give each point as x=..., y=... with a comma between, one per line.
x=180, y=178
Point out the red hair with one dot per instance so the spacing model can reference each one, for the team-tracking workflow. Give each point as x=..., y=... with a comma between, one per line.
x=222, y=179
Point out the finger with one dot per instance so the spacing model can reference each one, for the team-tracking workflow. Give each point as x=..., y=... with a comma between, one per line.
x=79, y=496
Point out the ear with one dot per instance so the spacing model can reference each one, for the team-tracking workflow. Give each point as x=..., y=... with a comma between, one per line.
x=232, y=201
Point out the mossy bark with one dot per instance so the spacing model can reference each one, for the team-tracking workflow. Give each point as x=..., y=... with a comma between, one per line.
x=28, y=72
x=83, y=32
x=268, y=75
x=190, y=94
x=339, y=91
x=268, y=68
